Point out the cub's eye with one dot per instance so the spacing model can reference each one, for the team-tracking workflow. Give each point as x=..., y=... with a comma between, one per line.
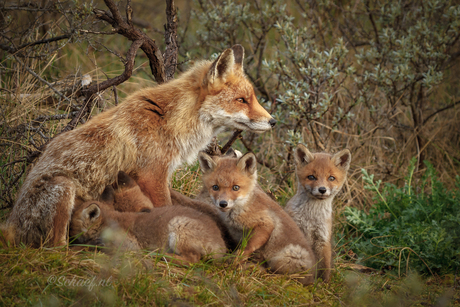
x=331, y=178
x=242, y=100
x=311, y=177
x=215, y=187
x=236, y=187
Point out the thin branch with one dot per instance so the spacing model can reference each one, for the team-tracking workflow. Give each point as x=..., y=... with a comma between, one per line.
x=43, y=41
x=235, y=136
x=33, y=73
x=95, y=88
x=148, y=45
x=440, y=110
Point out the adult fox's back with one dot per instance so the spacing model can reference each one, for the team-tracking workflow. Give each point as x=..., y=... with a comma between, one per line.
x=147, y=136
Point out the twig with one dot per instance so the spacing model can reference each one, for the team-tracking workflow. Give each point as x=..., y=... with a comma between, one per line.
x=33, y=73
x=93, y=89
x=148, y=45
x=440, y=110
x=230, y=142
x=43, y=41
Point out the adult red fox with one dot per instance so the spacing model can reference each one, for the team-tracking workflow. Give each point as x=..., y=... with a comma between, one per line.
x=320, y=177
x=147, y=136
x=231, y=185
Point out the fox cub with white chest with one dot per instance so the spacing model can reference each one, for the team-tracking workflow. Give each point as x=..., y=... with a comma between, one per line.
x=320, y=177
x=231, y=185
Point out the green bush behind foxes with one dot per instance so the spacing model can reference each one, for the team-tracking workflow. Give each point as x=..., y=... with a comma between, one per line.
x=416, y=227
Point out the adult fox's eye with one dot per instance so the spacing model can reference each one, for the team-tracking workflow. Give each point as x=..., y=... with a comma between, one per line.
x=215, y=187
x=311, y=177
x=331, y=178
x=236, y=187
x=242, y=100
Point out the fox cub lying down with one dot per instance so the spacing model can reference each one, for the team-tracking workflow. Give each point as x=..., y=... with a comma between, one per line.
x=181, y=232
x=320, y=177
x=230, y=184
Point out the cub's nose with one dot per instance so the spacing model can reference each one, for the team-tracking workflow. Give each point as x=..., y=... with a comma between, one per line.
x=322, y=190
x=272, y=122
x=223, y=203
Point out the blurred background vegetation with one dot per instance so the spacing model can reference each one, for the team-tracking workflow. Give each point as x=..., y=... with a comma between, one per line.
x=378, y=77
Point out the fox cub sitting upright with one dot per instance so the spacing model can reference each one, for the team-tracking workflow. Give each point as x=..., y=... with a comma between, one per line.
x=231, y=185
x=320, y=177
x=181, y=232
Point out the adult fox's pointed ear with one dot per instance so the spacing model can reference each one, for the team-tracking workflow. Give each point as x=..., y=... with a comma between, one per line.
x=248, y=163
x=238, y=53
x=302, y=155
x=222, y=67
x=342, y=159
x=207, y=164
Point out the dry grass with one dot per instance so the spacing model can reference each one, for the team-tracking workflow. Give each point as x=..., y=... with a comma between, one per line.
x=140, y=278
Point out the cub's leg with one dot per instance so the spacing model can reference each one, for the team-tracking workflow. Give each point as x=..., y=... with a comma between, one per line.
x=325, y=265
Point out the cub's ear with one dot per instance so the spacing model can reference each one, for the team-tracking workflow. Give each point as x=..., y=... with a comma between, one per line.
x=108, y=196
x=233, y=153
x=238, y=52
x=248, y=163
x=124, y=181
x=207, y=164
x=222, y=67
x=342, y=159
x=91, y=213
x=302, y=155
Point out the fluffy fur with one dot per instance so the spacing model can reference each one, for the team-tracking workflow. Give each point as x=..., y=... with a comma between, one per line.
x=320, y=177
x=147, y=136
x=230, y=184
x=184, y=233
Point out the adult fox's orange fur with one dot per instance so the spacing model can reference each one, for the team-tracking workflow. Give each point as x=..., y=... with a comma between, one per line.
x=148, y=136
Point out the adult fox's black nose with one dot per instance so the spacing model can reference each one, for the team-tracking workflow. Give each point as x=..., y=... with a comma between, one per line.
x=322, y=190
x=272, y=122
x=223, y=203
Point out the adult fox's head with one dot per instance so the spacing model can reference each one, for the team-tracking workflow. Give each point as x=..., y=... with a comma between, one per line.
x=321, y=174
x=229, y=181
x=229, y=98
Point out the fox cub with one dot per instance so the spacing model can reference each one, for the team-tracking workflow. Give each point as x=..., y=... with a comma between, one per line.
x=128, y=197
x=181, y=232
x=231, y=185
x=147, y=136
x=320, y=177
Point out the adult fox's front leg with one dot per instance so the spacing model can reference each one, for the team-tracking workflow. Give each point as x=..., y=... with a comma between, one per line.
x=155, y=187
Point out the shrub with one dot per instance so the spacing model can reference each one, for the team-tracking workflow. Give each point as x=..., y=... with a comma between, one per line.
x=416, y=226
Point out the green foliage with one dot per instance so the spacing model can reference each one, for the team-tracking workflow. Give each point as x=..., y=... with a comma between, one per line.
x=416, y=226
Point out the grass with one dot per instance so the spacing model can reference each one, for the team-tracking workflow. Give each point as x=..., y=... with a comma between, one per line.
x=62, y=276
x=55, y=277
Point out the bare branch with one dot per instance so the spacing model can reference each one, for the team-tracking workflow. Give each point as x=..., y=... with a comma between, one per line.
x=440, y=110
x=235, y=136
x=170, y=56
x=148, y=45
x=93, y=89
